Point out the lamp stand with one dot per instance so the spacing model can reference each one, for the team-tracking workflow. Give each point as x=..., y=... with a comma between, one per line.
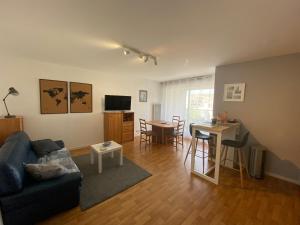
x=8, y=115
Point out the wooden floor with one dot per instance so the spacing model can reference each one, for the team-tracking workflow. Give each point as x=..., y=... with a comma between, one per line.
x=174, y=196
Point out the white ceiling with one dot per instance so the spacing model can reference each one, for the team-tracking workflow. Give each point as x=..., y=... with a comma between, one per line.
x=189, y=37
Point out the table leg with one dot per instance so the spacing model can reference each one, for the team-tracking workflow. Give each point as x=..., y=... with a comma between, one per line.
x=121, y=156
x=92, y=156
x=99, y=163
x=193, y=150
x=218, y=157
x=162, y=135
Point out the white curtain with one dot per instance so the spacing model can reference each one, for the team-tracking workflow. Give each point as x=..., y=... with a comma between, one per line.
x=191, y=99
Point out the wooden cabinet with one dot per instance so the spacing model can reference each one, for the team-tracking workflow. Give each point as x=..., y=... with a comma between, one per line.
x=119, y=126
x=9, y=126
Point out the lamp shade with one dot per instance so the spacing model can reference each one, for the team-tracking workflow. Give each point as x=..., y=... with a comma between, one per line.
x=13, y=91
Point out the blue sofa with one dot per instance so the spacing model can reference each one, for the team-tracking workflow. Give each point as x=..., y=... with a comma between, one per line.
x=24, y=200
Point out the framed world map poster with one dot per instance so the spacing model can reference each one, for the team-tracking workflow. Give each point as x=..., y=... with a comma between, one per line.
x=53, y=96
x=81, y=98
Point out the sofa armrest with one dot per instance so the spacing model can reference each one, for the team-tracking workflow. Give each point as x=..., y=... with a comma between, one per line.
x=1, y=220
x=40, y=192
x=60, y=143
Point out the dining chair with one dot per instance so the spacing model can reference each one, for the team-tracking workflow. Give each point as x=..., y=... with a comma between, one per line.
x=237, y=145
x=177, y=135
x=175, y=119
x=146, y=135
x=203, y=137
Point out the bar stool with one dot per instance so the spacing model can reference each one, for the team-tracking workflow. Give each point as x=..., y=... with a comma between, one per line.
x=203, y=137
x=237, y=145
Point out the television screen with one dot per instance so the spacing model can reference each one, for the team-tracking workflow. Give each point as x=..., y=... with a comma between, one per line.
x=117, y=102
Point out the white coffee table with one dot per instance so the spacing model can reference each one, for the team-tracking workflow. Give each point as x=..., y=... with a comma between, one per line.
x=99, y=150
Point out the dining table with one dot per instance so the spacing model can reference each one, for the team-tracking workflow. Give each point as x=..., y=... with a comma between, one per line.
x=161, y=129
x=221, y=131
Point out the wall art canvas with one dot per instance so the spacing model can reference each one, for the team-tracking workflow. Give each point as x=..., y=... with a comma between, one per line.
x=81, y=98
x=234, y=92
x=53, y=96
x=143, y=95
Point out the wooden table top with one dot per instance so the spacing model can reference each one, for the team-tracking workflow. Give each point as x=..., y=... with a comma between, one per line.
x=162, y=123
x=215, y=128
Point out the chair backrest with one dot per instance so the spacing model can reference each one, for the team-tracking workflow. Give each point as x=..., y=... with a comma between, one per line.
x=175, y=119
x=191, y=128
x=180, y=126
x=143, y=126
x=198, y=132
x=244, y=139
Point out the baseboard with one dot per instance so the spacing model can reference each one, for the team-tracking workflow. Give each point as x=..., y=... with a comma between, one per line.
x=282, y=178
x=78, y=148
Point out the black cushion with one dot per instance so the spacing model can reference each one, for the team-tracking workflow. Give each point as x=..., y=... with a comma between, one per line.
x=231, y=143
x=60, y=143
x=44, y=147
x=237, y=143
x=203, y=136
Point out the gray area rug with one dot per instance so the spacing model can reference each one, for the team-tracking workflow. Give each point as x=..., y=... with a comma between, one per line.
x=114, y=179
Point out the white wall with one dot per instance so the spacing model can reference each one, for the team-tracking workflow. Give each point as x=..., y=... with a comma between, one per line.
x=78, y=129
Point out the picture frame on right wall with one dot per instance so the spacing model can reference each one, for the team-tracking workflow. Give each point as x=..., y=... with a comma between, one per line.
x=234, y=92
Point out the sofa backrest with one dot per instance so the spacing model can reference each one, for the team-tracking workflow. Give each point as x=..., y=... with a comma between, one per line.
x=14, y=152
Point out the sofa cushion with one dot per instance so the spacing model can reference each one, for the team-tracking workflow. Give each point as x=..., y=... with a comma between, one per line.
x=61, y=157
x=44, y=147
x=41, y=171
x=14, y=152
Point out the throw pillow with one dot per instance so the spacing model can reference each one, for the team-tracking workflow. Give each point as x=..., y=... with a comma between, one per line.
x=48, y=171
x=44, y=147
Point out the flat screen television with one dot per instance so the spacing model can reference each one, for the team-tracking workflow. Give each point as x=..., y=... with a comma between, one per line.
x=117, y=102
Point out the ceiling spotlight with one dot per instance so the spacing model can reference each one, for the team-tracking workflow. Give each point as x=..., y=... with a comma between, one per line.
x=126, y=52
x=145, y=58
x=155, y=61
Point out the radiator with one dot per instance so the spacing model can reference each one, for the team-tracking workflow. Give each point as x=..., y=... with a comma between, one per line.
x=156, y=111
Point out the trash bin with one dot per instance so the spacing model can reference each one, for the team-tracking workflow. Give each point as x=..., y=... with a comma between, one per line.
x=257, y=161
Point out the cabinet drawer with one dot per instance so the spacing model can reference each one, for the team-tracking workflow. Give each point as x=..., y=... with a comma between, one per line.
x=128, y=129
x=127, y=123
x=127, y=136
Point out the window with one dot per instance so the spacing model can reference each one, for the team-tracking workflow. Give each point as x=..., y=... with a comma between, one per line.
x=199, y=105
x=191, y=99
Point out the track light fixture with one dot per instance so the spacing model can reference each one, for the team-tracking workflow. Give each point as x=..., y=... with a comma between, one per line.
x=142, y=55
x=126, y=51
x=145, y=57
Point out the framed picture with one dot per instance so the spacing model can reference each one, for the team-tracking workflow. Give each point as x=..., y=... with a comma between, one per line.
x=234, y=92
x=143, y=95
x=53, y=96
x=81, y=98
